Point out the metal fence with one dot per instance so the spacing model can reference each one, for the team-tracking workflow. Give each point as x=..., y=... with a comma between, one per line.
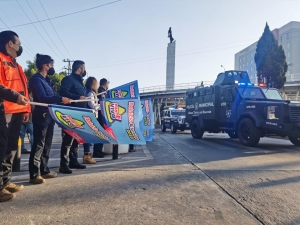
x=184, y=86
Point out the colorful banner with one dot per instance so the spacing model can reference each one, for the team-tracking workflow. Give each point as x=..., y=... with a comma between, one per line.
x=122, y=117
x=147, y=121
x=80, y=124
x=129, y=90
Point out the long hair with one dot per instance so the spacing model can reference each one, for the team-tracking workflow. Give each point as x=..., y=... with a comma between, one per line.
x=91, y=84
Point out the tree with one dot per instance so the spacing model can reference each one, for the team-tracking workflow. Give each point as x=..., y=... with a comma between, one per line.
x=31, y=69
x=270, y=61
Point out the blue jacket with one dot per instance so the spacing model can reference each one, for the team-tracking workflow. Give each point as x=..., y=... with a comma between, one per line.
x=72, y=87
x=42, y=92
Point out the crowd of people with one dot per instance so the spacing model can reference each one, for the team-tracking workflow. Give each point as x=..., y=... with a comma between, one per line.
x=17, y=114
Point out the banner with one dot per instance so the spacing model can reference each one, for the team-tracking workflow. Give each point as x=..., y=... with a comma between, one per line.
x=80, y=124
x=129, y=90
x=122, y=117
x=147, y=121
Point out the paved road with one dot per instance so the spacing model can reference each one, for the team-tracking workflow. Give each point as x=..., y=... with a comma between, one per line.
x=173, y=180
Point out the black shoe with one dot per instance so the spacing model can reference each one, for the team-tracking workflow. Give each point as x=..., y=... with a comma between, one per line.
x=98, y=155
x=77, y=166
x=131, y=150
x=65, y=169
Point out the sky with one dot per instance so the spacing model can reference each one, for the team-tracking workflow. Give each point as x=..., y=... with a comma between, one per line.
x=126, y=40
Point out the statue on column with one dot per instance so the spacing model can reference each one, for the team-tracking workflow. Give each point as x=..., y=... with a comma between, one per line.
x=170, y=35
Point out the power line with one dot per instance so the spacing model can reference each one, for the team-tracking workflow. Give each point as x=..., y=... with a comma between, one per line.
x=44, y=29
x=55, y=29
x=69, y=14
x=36, y=29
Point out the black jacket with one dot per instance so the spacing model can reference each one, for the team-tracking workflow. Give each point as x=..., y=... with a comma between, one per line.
x=42, y=92
x=101, y=97
x=72, y=87
x=8, y=94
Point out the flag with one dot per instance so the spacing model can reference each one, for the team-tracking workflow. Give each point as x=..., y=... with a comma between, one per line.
x=129, y=90
x=81, y=124
x=147, y=121
x=121, y=116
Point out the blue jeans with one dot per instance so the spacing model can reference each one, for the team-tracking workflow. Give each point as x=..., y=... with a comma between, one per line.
x=26, y=128
x=86, y=148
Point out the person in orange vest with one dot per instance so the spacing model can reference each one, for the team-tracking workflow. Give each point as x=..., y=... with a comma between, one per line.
x=11, y=114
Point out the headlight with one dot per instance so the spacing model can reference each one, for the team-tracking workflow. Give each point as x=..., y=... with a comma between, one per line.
x=271, y=113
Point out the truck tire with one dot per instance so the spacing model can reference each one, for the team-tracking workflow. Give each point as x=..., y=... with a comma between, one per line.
x=182, y=129
x=196, y=130
x=248, y=133
x=173, y=128
x=163, y=127
x=295, y=140
x=232, y=134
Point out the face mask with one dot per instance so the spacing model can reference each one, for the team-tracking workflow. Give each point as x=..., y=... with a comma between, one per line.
x=19, y=52
x=84, y=74
x=51, y=71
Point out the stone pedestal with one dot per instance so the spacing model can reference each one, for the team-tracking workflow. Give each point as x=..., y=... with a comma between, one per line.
x=170, y=79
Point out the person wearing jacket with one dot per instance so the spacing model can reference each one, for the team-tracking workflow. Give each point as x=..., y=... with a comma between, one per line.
x=72, y=87
x=98, y=148
x=11, y=114
x=91, y=87
x=43, y=124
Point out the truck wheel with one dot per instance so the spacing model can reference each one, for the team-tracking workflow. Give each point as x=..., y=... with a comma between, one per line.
x=295, y=140
x=182, y=129
x=196, y=130
x=248, y=133
x=173, y=128
x=163, y=127
x=232, y=134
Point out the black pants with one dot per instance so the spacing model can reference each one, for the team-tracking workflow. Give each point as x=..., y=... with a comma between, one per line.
x=99, y=146
x=10, y=127
x=42, y=140
x=69, y=149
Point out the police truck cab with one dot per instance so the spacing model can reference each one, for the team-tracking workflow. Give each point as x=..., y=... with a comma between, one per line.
x=173, y=119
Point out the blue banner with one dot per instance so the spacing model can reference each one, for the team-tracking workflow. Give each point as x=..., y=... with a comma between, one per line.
x=122, y=118
x=147, y=121
x=129, y=90
x=81, y=124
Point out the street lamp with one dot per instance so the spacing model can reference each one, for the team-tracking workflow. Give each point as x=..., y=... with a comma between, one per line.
x=223, y=67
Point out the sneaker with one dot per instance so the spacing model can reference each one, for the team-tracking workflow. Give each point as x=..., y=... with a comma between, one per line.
x=5, y=195
x=98, y=155
x=49, y=175
x=77, y=166
x=37, y=180
x=12, y=188
x=25, y=151
x=65, y=169
x=87, y=159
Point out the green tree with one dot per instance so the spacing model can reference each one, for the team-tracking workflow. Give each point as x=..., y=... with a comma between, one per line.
x=31, y=69
x=270, y=61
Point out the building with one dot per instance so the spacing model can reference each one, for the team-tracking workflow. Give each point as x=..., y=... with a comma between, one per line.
x=289, y=37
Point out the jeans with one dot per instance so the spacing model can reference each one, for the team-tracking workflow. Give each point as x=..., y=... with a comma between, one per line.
x=69, y=149
x=86, y=148
x=10, y=126
x=39, y=155
x=26, y=128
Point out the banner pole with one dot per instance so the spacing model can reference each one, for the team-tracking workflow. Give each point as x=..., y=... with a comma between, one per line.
x=39, y=104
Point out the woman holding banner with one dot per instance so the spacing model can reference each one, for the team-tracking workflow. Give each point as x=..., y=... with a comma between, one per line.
x=91, y=89
x=43, y=124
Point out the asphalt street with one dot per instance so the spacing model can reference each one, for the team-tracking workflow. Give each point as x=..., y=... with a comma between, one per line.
x=175, y=179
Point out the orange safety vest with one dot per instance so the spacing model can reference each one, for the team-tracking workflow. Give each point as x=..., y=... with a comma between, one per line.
x=13, y=77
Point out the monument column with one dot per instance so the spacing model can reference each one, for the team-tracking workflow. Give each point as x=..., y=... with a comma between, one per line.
x=170, y=78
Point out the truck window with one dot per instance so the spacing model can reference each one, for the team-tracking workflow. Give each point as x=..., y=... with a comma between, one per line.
x=251, y=92
x=178, y=112
x=202, y=92
x=272, y=93
x=195, y=94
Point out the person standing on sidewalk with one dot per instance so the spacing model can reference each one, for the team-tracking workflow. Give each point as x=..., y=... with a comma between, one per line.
x=91, y=87
x=27, y=128
x=11, y=114
x=98, y=148
x=72, y=87
x=43, y=124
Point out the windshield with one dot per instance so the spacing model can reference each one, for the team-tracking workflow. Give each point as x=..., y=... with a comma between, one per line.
x=251, y=92
x=272, y=93
x=178, y=112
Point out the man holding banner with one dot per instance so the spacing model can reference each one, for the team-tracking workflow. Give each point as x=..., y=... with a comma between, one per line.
x=72, y=87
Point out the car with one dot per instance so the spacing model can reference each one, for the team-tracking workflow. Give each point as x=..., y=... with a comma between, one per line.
x=173, y=119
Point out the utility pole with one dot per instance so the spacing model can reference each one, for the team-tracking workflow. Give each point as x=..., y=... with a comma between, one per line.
x=69, y=65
